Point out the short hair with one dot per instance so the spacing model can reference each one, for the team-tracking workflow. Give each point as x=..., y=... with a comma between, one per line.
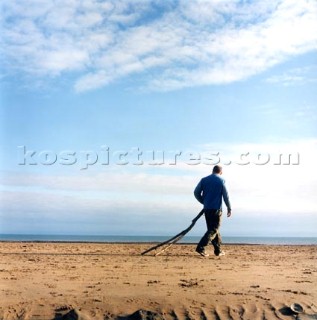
x=217, y=169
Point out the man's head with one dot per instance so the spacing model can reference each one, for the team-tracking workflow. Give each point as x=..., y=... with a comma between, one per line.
x=217, y=169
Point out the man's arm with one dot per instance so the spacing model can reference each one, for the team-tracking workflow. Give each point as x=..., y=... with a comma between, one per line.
x=226, y=199
x=197, y=193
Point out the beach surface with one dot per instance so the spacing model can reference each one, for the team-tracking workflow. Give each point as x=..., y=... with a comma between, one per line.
x=113, y=281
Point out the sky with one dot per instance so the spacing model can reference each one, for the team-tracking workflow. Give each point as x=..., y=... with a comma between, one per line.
x=112, y=111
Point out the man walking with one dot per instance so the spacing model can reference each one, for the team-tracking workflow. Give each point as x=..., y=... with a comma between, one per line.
x=210, y=191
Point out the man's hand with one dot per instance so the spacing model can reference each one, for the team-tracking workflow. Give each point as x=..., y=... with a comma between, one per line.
x=229, y=213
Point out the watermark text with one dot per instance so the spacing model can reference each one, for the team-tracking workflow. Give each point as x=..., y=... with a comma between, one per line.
x=105, y=156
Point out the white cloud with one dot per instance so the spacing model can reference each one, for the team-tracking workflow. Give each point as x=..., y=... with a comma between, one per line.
x=171, y=44
x=92, y=81
x=296, y=76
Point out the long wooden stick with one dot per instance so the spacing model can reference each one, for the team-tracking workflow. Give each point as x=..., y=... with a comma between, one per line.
x=170, y=244
x=175, y=238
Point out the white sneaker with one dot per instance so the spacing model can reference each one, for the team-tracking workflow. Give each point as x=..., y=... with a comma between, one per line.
x=202, y=253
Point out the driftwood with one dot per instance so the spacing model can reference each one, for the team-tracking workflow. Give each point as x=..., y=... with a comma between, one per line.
x=173, y=240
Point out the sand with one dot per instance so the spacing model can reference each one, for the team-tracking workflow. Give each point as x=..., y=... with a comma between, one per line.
x=113, y=281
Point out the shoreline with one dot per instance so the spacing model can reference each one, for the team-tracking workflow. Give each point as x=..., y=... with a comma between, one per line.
x=188, y=239
x=151, y=243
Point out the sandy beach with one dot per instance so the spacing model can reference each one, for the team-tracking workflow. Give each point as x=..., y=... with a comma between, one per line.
x=113, y=281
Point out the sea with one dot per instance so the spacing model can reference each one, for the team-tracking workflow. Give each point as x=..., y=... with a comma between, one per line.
x=155, y=239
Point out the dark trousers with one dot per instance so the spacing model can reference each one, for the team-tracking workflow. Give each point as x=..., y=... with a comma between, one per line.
x=213, y=219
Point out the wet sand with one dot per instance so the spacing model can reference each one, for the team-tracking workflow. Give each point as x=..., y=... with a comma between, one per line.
x=113, y=281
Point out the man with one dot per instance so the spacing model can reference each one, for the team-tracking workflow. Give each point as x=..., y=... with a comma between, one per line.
x=210, y=191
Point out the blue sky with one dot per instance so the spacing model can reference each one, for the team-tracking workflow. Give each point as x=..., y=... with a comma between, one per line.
x=191, y=77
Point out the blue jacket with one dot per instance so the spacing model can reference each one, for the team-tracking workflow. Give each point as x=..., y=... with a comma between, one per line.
x=210, y=191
